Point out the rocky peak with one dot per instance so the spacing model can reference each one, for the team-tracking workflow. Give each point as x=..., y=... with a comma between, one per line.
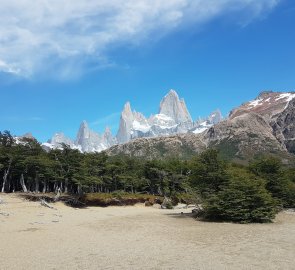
x=84, y=132
x=108, y=138
x=28, y=135
x=59, y=138
x=127, y=112
x=268, y=104
x=126, y=120
x=174, y=107
x=265, y=94
x=215, y=117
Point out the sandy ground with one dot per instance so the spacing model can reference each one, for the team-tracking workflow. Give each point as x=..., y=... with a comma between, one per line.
x=35, y=237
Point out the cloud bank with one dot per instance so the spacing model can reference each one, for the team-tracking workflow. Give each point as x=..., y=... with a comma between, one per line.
x=66, y=35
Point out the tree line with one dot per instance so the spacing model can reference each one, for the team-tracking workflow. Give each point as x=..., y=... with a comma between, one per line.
x=226, y=190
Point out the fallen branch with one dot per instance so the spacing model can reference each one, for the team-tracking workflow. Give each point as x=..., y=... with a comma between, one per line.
x=45, y=204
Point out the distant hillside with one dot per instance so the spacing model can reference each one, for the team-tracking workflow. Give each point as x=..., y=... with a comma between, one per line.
x=265, y=125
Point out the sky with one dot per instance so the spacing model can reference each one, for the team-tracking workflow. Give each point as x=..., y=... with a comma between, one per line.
x=62, y=61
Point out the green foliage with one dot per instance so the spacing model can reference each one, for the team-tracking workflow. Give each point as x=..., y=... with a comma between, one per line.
x=227, y=149
x=243, y=200
x=228, y=192
x=208, y=173
x=279, y=182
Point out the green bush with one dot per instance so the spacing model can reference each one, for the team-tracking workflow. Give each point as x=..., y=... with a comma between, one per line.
x=278, y=180
x=208, y=173
x=243, y=200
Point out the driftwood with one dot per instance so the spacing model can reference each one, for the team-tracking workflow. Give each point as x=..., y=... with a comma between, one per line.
x=45, y=204
x=4, y=214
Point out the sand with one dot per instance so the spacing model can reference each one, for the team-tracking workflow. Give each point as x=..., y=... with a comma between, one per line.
x=35, y=237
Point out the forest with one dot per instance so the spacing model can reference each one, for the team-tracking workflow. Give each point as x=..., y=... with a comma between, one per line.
x=226, y=191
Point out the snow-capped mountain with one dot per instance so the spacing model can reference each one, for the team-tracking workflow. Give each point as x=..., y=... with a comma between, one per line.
x=202, y=125
x=22, y=138
x=173, y=118
x=87, y=140
x=268, y=104
x=90, y=141
x=175, y=108
x=263, y=126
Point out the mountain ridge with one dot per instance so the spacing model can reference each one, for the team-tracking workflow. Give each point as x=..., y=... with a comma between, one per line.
x=173, y=118
x=265, y=125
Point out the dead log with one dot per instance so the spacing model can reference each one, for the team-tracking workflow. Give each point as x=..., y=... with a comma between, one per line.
x=45, y=204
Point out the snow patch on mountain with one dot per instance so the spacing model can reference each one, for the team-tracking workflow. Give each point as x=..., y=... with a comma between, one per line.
x=87, y=140
x=173, y=118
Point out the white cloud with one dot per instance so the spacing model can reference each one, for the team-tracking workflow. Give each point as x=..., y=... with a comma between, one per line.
x=64, y=35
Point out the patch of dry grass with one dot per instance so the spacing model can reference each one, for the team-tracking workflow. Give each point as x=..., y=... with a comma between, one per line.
x=117, y=199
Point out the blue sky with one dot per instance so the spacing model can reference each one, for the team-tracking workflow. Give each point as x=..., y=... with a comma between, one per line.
x=61, y=63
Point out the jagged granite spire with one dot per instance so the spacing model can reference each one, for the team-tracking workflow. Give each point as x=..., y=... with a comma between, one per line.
x=173, y=118
x=108, y=138
x=174, y=107
x=127, y=117
x=90, y=141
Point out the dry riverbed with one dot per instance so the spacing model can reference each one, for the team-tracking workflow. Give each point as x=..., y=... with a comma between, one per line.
x=35, y=237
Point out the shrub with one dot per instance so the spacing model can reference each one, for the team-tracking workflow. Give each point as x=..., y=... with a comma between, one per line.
x=278, y=181
x=243, y=200
x=208, y=173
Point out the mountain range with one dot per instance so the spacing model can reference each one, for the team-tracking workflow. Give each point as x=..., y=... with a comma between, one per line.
x=173, y=118
x=265, y=125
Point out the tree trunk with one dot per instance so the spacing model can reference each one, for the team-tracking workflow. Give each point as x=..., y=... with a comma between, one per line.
x=66, y=185
x=44, y=187
x=80, y=191
x=57, y=196
x=22, y=183
x=6, y=172
x=37, y=184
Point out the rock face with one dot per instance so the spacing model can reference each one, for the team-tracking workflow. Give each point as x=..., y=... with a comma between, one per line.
x=278, y=110
x=126, y=122
x=87, y=140
x=202, y=125
x=21, y=139
x=243, y=137
x=175, y=108
x=265, y=125
x=181, y=145
x=173, y=118
x=268, y=104
x=284, y=127
x=59, y=138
